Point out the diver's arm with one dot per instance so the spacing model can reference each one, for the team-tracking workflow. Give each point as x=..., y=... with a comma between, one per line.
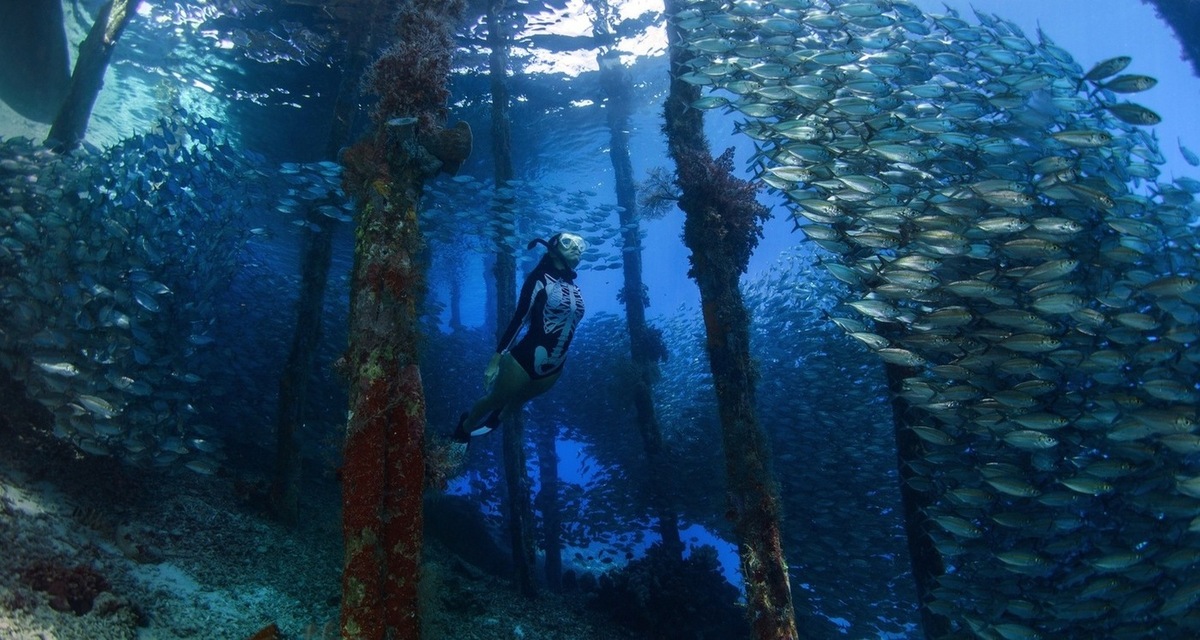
x=521, y=315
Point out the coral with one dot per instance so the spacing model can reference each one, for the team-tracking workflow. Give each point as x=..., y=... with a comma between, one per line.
x=269, y=632
x=440, y=465
x=410, y=77
x=409, y=81
x=732, y=220
x=661, y=596
x=641, y=296
x=70, y=588
x=1183, y=18
x=363, y=162
x=650, y=342
x=658, y=193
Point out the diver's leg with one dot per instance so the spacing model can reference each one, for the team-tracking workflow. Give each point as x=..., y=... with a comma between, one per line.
x=531, y=390
x=537, y=387
x=511, y=381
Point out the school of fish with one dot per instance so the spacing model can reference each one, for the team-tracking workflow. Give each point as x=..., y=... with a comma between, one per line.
x=463, y=212
x=112, y=266
x=1006, y=236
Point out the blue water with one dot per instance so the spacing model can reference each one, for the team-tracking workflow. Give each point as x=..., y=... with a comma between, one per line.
x=268, y=80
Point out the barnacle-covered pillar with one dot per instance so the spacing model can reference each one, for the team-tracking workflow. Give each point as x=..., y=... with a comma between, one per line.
x=383, y=472
x=723, y=225
x=88, y=77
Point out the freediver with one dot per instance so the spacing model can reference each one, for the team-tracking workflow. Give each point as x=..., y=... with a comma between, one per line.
x=549, y=309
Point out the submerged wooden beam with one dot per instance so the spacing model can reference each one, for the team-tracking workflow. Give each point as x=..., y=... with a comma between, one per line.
x=516, y=474
x=1184, y=18
x=927, y=564
x=88, y=78
x=722, y=226
x=316, y=261
x=35, y=65
x=383, y=474
x=646, y=343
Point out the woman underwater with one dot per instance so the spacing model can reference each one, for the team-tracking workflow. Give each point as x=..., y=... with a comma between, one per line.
x=549, y=308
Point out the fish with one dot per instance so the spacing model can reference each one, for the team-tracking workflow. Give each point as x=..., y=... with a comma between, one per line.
x=1083, y=138
x=135, y=228
x=958, y=526
x=56, y=367
x=1029, y=439
x=1107, y=68
x=1189, y=156
x=97, y=406
x=1047, y=313
x=1088, y=485
x=1133, y=113
x=1041, y=421
x=203, y=466
x=1031, y=343
x=1050, y=270
x=1129, y=83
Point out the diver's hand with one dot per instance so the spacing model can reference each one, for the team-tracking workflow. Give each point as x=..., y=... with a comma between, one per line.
x=490, y=373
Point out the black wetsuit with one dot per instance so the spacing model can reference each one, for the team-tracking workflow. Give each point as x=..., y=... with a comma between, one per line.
x=553, y=306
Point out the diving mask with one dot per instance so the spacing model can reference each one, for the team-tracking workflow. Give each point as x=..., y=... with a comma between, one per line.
x=571, y=242
x=569, y=248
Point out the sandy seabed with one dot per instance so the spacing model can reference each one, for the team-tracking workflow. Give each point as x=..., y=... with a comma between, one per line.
x=184, y=555
x=180, y=555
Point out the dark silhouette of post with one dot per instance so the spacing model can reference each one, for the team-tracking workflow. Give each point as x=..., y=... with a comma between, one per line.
x=88, y=77
x=1184, y=18
x=646, y=346
x=547, y=501
x=36, y=66
x=317, y=254
x=516, y=475
x=927, y=563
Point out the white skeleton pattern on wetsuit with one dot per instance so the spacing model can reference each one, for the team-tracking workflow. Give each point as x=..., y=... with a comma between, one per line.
x=564, y=309
x=552, y=305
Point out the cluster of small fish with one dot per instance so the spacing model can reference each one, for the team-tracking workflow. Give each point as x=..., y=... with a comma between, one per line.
x=455, y=210
x=110, y=262
x=314, y=187
x=1003, y=223
x=820, y=400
